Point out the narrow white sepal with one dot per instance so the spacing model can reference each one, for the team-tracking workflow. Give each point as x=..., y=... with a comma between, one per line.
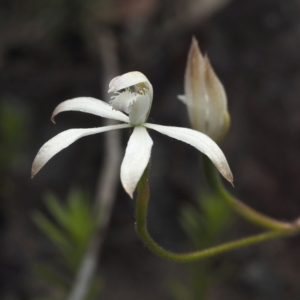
x=63, y=140
x=91, y=106
x=136, y=158
x=201, y=142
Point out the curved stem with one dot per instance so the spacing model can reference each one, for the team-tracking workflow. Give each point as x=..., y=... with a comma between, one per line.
x=141, y=227
x=244, y=210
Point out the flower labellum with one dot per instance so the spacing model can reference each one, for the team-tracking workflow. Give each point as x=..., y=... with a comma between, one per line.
x=136, y=99
x=131, y=104
x=205, y=96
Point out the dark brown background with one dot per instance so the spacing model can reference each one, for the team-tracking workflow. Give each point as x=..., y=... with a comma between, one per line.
x=49, y=53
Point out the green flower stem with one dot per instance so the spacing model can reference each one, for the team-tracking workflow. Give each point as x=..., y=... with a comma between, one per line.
x=143, y=195
x=247, y=212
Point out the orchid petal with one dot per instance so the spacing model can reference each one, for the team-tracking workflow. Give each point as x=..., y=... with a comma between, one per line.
x=129, y=79
x=91, y=106
x=139, y=109
x=136, y=158
x=63, y=140
x=201, y=142
x=122, y=101
x=135, y=104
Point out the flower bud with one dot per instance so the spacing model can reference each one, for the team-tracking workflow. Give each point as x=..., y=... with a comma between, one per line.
x=205, y=96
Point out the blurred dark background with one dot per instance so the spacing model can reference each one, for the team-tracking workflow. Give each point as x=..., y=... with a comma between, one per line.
x=50, y=52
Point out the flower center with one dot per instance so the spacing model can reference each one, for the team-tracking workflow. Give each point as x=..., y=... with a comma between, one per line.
x=134, y=101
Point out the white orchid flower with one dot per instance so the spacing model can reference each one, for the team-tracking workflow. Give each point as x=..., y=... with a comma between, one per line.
x=205, y=96
x=131, y=105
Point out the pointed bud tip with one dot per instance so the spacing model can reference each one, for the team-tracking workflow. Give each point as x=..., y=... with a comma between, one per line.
x=194, y=41
x=195, y=46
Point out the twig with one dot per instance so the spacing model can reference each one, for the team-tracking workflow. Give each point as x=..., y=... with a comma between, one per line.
x=107, y=180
